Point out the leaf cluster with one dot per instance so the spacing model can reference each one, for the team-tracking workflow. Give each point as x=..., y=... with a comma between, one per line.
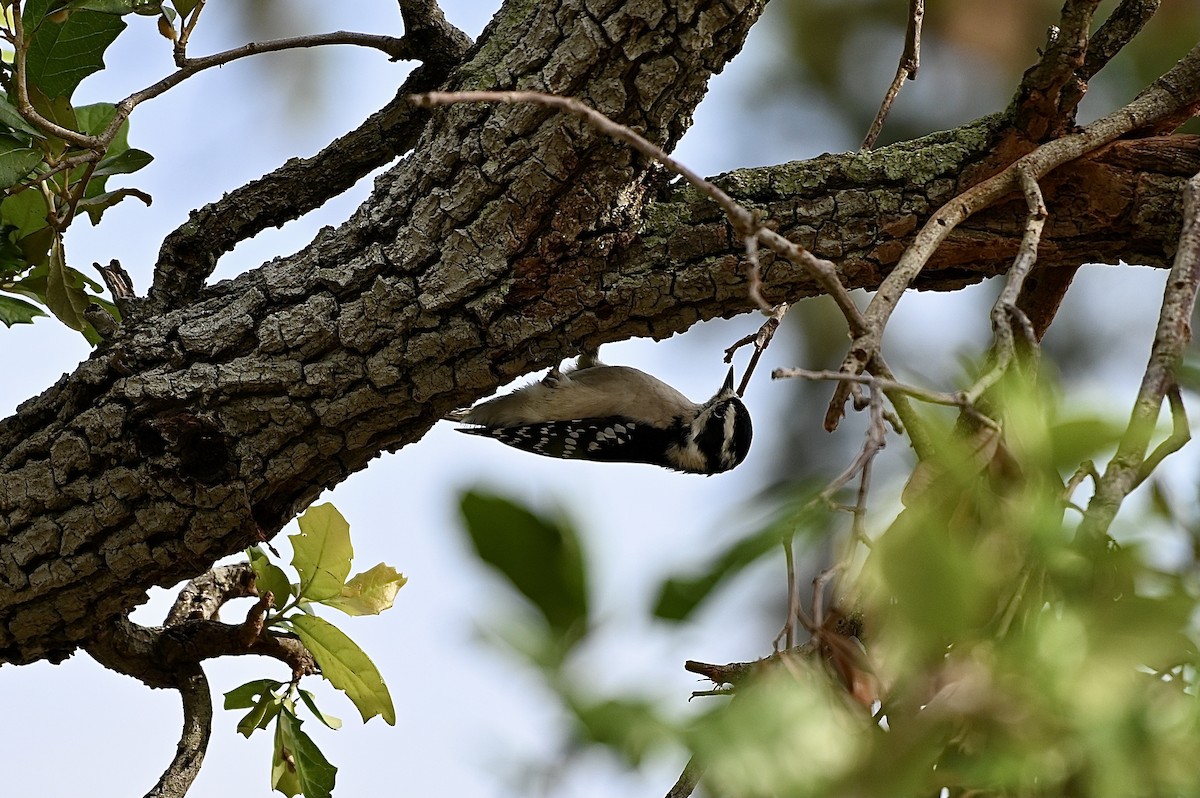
x=56, y=157
x=321, y=557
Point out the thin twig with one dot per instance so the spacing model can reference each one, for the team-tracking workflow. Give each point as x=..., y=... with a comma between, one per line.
x=688, y=780
x=761, y=340
x=745, y=223
x=1086, y=469
x=1005, y=309
x=788, y=633
x=1126, y=469
x=1014, y=603
x=1123, y=24
x=954, y=399
x=875, y=441
x=818, y=597
x=186, y=34
x=755, y=273
x=1180, y=435
x=910, y=62
x=398, y=48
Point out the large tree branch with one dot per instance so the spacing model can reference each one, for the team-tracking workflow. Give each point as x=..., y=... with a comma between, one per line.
x=509, y=238
x=198, y=430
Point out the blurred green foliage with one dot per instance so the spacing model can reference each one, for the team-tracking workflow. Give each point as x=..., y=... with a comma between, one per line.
x=1002, y=656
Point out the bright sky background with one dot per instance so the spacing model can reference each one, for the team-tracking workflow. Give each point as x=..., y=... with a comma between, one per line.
x=470, y=718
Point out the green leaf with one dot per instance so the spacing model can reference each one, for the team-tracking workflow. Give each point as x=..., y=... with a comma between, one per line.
x=346, y=667
x=61, y=54
x=36, y=248
x=59, y=111
x=95, y=206
x=265, y=710
x=123, y=163
x=184, y=7
x=370, y=592
x=311, y=702
x=285, y=776
x=243, y=696
x=269, y=577
x=18, y=311
x=321, y=552
x=10, y=117
x=16, y=161
x=628, y=726
x=25, y=214
x=299, y=766
x=12, y=260
x=94, y=118
x=260, y=697
x=541, y=559
x=64, y=291
x=1079, y=439
x=143, y=7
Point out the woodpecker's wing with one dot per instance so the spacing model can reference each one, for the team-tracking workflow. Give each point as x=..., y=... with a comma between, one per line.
x=612, y=440
x=598, y=392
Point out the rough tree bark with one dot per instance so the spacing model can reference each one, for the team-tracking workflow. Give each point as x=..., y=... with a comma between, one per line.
x=509, y=238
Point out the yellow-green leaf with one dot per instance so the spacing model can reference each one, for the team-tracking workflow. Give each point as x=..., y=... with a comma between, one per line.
x=310, y=701
x=321, y=553
x=346, y=667
x=370, y=592
x=260, y=716
x=285, y=776
x=269, y=577
x=244, y=696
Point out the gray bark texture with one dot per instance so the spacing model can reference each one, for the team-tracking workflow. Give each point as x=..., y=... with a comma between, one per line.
x=510, y=237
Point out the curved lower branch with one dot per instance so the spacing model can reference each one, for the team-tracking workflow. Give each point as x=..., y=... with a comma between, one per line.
x=169, y=657
x=193, y=740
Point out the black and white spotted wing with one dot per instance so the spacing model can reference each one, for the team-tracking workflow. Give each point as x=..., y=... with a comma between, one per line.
x=613, y=440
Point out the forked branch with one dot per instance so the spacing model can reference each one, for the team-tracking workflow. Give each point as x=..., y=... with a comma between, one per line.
x=1128, y=467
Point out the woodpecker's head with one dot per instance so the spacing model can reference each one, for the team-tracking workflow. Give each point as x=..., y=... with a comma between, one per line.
x=721, y=432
